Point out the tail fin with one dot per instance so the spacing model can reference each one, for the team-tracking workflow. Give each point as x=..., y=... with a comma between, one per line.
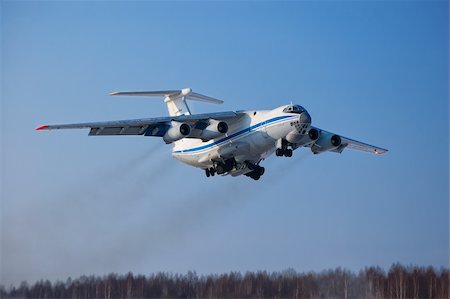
x=174, y=99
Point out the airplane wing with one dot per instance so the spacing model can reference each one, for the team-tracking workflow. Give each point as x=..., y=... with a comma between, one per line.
x=361, y=146
x=144, y=126
x=352, y=144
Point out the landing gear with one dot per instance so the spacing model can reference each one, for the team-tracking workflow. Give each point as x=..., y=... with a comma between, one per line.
x=220, y=168
x=257, y=172
x=282, y=148
x=210, y=172
x=226, y=166
x=279, y=152
x=287, y=152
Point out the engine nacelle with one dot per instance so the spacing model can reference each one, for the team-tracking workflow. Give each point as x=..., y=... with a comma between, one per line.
x=302, y=139
x=326, y=142
x=213, y=130
x=176, y=132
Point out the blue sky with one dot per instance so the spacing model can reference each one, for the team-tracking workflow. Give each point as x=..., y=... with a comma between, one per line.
x=376, y=71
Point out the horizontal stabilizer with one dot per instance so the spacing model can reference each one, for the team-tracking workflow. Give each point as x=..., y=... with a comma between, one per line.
x=160, y=93
x=202, y=98
x=170, y=95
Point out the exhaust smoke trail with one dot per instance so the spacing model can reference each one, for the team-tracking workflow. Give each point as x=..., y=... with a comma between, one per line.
x=79, y=224
x=124, y=211
x=194, y=210
x=118, y=177
x=201, y=205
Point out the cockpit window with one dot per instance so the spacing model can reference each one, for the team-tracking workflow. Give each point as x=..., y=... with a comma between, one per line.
x=294, y=109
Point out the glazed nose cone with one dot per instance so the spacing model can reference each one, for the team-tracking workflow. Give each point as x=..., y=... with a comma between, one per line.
x=305, y=117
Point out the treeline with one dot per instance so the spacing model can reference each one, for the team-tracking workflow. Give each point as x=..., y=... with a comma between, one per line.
x=372, y=282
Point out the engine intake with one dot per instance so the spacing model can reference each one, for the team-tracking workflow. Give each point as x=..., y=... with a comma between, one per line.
x=222, y=127
x=313, y=134
x=176, y=132
x=301, y=140
x=326, y=142
x=214, y=130
x=336, y=140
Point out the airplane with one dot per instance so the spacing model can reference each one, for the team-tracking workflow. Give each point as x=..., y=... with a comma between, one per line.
x=225, y=143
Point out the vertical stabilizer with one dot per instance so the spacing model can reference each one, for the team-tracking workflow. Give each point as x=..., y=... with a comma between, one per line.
x=177, y=107
x=176, y=104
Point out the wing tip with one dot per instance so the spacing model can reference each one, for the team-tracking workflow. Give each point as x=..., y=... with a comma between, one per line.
x=114, y=93
x=380, y=151
x=43, y=127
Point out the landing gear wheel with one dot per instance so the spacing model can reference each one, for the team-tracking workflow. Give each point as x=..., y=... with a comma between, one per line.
x=279, y=152
x=288, y=153
x=257, y=172
x=207, y=172
x=254, y=175
x=220, y=169
x=261, y=171
x=212, y=171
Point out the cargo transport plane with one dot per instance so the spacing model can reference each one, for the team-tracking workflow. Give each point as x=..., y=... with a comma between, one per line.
x=225, y=143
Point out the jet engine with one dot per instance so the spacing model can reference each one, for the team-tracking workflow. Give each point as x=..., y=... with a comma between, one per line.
x=176, y=132
x=326, y=142
x=302, y=139
x=213, y=130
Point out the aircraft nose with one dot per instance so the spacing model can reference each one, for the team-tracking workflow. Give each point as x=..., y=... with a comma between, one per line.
x=305, y=117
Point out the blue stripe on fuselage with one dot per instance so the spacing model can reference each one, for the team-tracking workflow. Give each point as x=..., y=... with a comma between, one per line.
x=249, y=129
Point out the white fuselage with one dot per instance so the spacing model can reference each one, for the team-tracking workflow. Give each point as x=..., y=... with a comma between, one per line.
x=252, y=137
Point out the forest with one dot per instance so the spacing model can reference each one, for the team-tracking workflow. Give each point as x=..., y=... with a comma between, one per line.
x=372, y=282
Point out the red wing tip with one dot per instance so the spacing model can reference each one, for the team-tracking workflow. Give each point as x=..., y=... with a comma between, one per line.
x=380, y=152
x=41, y=127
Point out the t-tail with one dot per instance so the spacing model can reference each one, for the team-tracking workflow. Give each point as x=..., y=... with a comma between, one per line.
x=174, y=99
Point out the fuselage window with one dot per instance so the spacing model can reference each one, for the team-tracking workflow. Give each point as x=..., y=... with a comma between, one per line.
x=294, y=109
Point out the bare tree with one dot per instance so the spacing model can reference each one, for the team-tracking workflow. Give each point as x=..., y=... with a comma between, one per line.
x=371, y=283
